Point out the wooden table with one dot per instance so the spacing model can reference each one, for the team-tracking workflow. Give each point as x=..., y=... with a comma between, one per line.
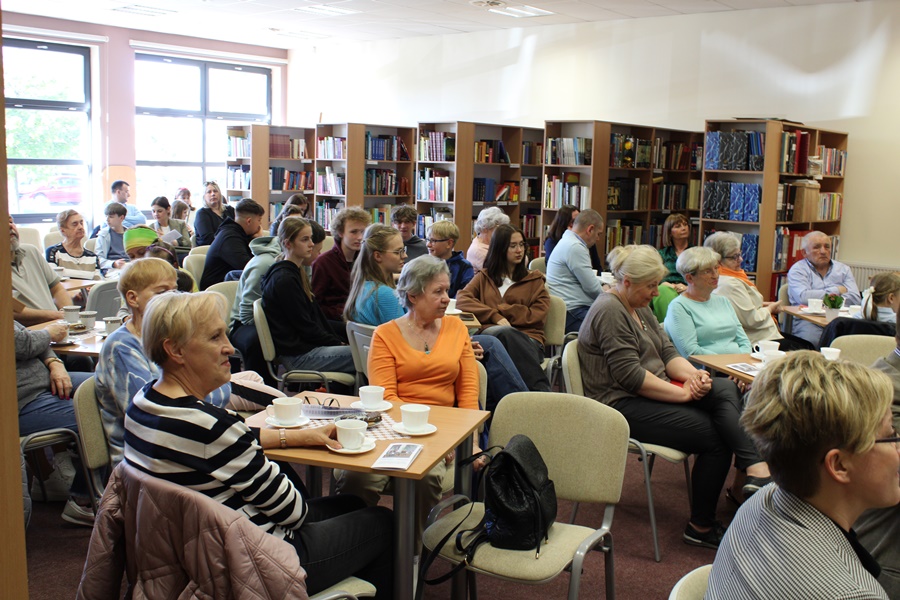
x=73, y=285
x=821, y=320
x=720, y=362
x=455, y=429
x=85, y=344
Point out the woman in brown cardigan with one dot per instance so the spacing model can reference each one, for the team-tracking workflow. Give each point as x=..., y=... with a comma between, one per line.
x=511, y=303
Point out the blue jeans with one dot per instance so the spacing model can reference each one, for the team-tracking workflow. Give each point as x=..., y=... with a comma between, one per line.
x=324, y=358
x=575, y=317
x=503, y=376
x=526, y=353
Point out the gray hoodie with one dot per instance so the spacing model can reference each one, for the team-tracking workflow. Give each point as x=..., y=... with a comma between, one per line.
x=265, y=250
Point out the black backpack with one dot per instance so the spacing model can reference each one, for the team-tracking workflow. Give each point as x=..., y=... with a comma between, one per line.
x=519, y=506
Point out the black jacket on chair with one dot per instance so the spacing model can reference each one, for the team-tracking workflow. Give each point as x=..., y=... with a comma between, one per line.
x=850, y=326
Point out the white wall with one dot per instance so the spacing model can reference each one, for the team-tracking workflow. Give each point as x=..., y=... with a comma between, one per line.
x=835, y=66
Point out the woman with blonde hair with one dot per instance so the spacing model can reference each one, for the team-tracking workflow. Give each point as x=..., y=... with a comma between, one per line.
x=882, y=298
x=372, y=299
x=208, y=218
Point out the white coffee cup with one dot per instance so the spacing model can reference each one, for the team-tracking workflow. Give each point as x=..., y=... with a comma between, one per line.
x=854, y=309
x=814, y=304
x=451, y=305
x=371, y=396
x=765, y=346
x=71, y=313
x=88, y=318
x=415, y=417
x=285, y=411
x=351, y=433
x=112, y=323
x=772, y=355
x=595, y=272
x=831, y=353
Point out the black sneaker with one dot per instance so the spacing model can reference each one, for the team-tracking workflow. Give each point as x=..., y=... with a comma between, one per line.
x=707, y=539
x=754, y=484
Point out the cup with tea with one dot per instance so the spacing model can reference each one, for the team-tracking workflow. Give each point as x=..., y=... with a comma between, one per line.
x=772, y=355
x=71, y=313
x=88, y=318
x=351, y=433
x=371, y=396
x=285, y=411
x=831, y=353
x=815, y=304
x=112, y=323
x=415, y=417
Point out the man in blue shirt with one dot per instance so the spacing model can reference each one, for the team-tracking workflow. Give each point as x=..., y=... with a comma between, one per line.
x=121, y=194
x=817, y=276
x=569, y=272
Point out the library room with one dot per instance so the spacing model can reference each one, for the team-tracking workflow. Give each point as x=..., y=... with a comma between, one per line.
x=208, y=125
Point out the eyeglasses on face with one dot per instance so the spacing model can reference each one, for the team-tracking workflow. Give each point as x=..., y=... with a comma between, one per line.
x=399, y=252
x=434, y=241
x=708, y=272
x=737, y=256
x=893, y=439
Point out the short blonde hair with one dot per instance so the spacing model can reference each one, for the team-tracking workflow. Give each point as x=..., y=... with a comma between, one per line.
x=695, y=259
x=351, y=213
x=177, y=317
x=639, y=263
x=803, y=405
x=144, y=272
x=445, y=229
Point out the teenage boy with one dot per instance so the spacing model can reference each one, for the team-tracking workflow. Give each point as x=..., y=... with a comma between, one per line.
x=442, y=238
x=110, y=245
x=404, y=220
x=331, y=271
x=230, y=250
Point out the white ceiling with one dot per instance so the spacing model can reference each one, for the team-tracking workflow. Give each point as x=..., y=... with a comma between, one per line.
x=275, y=23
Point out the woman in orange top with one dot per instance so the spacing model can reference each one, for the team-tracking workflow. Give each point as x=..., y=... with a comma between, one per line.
x=422, y=358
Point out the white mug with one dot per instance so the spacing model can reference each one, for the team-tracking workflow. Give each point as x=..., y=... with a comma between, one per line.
x=371, y=396
x=71, y=313
x=285, y=411
x=831, y=353
x=415, y=417
x=351, y=433
x=88, y=318
x=765, y=346
x=451, y=305
x=814, y=304
x=772, y=355
x=112, y=323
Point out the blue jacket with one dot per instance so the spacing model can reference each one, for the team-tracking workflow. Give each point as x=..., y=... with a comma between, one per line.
x=461, y=272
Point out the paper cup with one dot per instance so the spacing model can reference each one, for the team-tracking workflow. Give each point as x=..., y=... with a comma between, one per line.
x=285, y=411
x=71, y=313
x=351, y=433
x=371, y=396
x=814, y=304
x=765, y=346
x=88, y=318
x=415, y=417
x=831, y=353
x=112, y=323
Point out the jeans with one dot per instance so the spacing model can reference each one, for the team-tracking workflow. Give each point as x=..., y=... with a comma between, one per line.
x=575, y=317
x=323, y=358
x=246, y=340
x=525, y=353
x=341, y=537
x=708, y=427
x=503, y=376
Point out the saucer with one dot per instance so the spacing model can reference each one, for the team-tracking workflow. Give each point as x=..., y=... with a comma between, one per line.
x=273, y=423
x=385, y=405
x=453, y=311
x=64, y=343
x=368, y=444
x=429, y=429
x=756, y=355
x=809, y=311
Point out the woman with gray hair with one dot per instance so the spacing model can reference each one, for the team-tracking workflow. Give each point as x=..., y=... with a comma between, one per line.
x=698, y=322
x=756, y=316
x=488, y=220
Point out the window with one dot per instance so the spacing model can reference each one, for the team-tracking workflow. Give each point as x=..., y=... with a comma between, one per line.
x=183, y=109
x=48, y=128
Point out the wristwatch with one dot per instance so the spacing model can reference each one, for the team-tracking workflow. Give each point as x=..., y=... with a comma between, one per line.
x=282, y=435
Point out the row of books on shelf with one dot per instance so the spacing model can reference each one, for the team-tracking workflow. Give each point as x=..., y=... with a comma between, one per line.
x=282, y=179
x=237, y=177
x=677, y=156
x=437, y=146
x=675, y=196
x=621, y=232
x=794, y=152
x=795, y=200
x=238, y=143
x=324, y=212
x=426, y=220
x=282, y=145
x=433, y=185
x=569, y=151
x=565, y=189
x=734, y=150
x=385, y=182
x=731, y=201
x=627, y=193
x=331, y=148
x=531, y=226
x=385, y=147
x=486, y=189
x=330, y=182
x=491, y=151
x=834, y=161
x=629, y=152
x=381, y=213
x=532, y=152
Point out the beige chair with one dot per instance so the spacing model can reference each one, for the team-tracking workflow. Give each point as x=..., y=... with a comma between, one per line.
x=693, y=585
x=785, y=320
x=94, y=446
x=31, y=235
x=51, y=239
x=538, y=264
x=49, y=437
x=327, y=244
x=554, y=336
x=865, y=349
x=104, y=297
x=593, y=474
x=194, y=264
x=198, y=250
x=227, y=289
x=90, y=244
x=571, y=367
x=360, y=338
x=296, y=376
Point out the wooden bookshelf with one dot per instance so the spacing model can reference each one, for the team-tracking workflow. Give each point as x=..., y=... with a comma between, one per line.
x=771, y=169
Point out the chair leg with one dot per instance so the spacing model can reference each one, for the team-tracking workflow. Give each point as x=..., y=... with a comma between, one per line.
x=473, y=585
x=647, y=470
x=574, y=513
x=687, y=479
x=609, y=564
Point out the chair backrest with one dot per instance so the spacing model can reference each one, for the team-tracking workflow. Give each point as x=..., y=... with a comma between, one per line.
x=785, y=301
x=865, y=349
x=227, y=289
x=555, y=327
x=104, y=297
x=538, y=264
x=360, y=337
x=327, y=244
x=693, y=585
x=52, y=239
x=583, y=442
x=94, y=445
x=198, y=250
x=571, y=368
x=262, y=330
x=30, y=235
x=194, y=264
x=482, y=388
x=90, y=244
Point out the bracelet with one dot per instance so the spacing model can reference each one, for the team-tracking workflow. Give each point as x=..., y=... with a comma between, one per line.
x=282, y=434
x=52, y=360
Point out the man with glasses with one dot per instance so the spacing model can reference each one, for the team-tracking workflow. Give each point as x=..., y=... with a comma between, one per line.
x=442, y=238
x=404, y=220
x=569, y=272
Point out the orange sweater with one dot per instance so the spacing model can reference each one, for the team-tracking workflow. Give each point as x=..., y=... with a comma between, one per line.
x=445, y=377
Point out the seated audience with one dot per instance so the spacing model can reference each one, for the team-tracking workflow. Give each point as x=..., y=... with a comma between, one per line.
x=442, y=238
x=881, y=299
x=628, y=362
x=816, y=276
x=335, y=537
x=511, y=303
x=181, y=210
x=71, y=253
x=372, y=299
x=424, y=358
x=44, y=391
x=331, y=271
x=230, y=249
x=120, y=195
x=110, y=246
x=163, y=222
x=304, y=338
x=404, y=219
x=825, y=429
x=677, y=233
x=160, y=249
x=37, y=288
x=211, y=215
x=137, y=240
x=488, y=220
x=697, y=321
x=300, y=204
x=755, y=315
x=562, y=222
x=569, y=272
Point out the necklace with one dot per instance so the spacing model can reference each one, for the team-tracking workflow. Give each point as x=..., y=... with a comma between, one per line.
x=633, y=313
x=418, y=335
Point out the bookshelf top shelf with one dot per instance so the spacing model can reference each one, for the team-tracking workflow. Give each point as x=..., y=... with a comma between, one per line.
x=733, y=172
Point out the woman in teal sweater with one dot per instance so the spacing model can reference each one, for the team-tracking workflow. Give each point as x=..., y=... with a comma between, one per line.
x=373, y=299
x=699, y=322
